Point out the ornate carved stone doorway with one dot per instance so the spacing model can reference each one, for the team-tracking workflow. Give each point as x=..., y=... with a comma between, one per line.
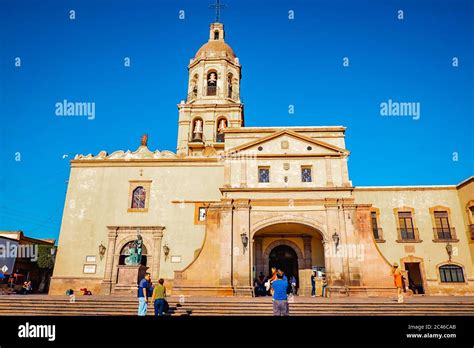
x=118, y=238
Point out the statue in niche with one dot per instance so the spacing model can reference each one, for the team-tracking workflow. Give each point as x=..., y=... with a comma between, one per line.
x=197, y=131
x=134, y=257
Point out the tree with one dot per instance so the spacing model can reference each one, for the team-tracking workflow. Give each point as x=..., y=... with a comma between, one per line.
x=46, y=258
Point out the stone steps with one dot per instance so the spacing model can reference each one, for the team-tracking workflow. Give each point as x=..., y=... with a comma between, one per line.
x=239, y=313
x=111, y=306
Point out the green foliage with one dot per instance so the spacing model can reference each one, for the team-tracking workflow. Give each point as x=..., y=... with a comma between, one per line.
x=46, y=257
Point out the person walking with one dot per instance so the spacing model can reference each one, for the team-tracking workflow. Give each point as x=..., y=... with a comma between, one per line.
x=293, y=284
x=324, y=285
x=313, y=284
x=158, y=298
x=280, y=297
x=143, y=295
x=397, y=279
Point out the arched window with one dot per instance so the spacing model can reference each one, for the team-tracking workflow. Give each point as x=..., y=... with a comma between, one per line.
x=138, y=198
x=197, y=129
x=221, y=125
x=212, y=83
x=216, y=35
x=451, y=274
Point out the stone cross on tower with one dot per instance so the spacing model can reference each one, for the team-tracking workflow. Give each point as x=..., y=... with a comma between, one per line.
x=218, y=7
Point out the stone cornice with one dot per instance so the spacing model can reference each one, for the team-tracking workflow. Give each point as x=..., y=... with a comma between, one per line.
x=165, y=162
x=295, y=129
x=211, y=107
x=403, y=188
x=293, y=134
x=134, y=228
x=283, y=189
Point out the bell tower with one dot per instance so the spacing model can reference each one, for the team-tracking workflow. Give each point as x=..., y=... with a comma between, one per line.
x=213, y=101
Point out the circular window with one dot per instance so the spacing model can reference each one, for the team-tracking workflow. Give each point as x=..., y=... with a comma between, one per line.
x=260, y=148
x=309, y=148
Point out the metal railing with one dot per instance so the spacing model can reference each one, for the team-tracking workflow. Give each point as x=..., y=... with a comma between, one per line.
x=377, y=233
x=444, y=233
x=408, y=234
x=211, y=90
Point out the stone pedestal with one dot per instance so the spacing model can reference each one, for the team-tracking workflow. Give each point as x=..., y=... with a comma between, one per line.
x=244, y=291
x=304, y=276
x=128, y=278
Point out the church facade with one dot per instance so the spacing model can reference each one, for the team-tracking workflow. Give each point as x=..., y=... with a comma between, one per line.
x=233, y=201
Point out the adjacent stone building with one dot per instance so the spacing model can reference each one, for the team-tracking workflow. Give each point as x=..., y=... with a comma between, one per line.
x=234, y=201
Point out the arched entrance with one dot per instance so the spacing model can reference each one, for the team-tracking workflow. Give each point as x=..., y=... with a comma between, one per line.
x=293, y=247
x=283, y=254
x=284, y=257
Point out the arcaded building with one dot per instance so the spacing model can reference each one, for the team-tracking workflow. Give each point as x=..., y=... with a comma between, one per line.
x=233, y=201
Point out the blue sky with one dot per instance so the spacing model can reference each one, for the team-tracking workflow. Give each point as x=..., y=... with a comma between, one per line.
x=285, y=62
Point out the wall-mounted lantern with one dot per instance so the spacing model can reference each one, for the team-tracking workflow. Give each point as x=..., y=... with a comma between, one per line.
x=449, y=250
x=336, y=239
x=102, y=250
x=166, y=250
x=245, y=240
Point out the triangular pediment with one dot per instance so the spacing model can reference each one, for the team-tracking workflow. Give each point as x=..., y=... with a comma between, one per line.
x=288, y=142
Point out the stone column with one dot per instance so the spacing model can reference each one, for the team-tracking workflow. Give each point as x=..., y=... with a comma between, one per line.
x=243, y=172
x=334, y=262
x=258, y=255
x=327, y=162
x=307, y=252
x=106, y=287
x=227, y=172
x=345, y=172
x=345, y=244
x=155, y=267
x=208, y=132
x=242, y=282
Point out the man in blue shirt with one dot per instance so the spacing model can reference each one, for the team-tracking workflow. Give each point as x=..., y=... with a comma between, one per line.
x=280, y=301
x=143, y=295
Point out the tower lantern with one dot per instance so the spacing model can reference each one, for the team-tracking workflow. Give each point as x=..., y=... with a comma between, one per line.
x=213, y=101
